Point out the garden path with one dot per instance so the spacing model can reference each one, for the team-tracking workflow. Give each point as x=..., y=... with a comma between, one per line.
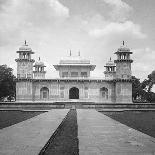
x=99, y=135
x=30, y=136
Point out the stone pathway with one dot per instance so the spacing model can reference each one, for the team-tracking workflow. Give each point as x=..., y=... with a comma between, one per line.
x=30, y=136
x=101, y=135
x=97, y=133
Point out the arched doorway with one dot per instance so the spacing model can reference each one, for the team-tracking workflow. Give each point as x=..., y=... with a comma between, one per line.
x=104, y=93
x=44, y=93
x=74, y=93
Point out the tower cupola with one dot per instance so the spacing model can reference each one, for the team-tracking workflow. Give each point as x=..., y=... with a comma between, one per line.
x=39, y=72
x=123, y=54
x=110, y=72
x=25, y=52
x=24, y=62
x=123, y=62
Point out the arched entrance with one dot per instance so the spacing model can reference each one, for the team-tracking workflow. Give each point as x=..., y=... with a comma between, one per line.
x=44, y=93
x=74, y=93
x=104, y=93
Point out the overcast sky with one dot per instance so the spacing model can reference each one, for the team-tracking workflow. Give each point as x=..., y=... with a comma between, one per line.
x=95, y=27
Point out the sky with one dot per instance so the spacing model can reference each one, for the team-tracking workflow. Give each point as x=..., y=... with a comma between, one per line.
x=96, y=28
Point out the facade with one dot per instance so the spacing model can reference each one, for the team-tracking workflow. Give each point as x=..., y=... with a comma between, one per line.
x=74, y=82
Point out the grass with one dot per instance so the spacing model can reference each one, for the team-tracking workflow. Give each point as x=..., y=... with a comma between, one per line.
x=142, y=121
x=8, y=118
x=65, y=140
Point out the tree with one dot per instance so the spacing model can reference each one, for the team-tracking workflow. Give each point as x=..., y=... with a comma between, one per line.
x=147, y=85
x=138, y=90
x=151, y=80
x=135, y=87
x=7, y=83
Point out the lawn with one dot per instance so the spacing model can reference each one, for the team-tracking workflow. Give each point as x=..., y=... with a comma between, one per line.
x=8, y=118
x=142, y=121
x=65, y=140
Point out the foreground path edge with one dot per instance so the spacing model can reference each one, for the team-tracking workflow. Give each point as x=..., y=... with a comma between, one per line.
x=30, y=136
x=99, y=134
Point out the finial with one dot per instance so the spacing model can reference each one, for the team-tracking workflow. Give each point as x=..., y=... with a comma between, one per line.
x=39, y=58
x=25, y=42
x=70, y=53
x=123, y=42
x=79, y=53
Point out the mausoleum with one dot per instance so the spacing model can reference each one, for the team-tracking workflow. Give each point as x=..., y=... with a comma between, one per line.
x=75, y=81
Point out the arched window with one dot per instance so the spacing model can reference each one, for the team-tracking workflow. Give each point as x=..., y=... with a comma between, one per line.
x=62, y=92
x=44, y=93
x=86, y=92
x=104, y=93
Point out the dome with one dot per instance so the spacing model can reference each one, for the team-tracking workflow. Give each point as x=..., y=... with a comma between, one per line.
x=123, y=49
x=39, y=63
x=25, y=47
x=110, y=63
x=74, y=60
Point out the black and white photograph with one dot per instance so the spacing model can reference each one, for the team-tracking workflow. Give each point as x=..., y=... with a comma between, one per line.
x=77, y=77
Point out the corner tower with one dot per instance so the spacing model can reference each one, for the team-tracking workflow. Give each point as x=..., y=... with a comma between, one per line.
x=123, y=63
x=24, y=62
x=24, y=74
x=39, y=72
x=123, y=75
x=110, y=72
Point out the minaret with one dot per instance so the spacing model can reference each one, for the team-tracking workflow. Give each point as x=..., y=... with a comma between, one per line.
x=123, y=63
x=24, y=62
x=39, y=72
x=123, y=81
x=110, y=72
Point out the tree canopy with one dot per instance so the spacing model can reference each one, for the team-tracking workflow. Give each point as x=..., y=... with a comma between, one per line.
x=142, y=91
x=7, y=83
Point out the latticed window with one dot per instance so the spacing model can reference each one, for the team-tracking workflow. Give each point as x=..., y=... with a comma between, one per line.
x=28, y=75
x=84, y=74
x=44, y=93
x=64, y=74
x=74, y=74
x=86, y=92
x=62, y=92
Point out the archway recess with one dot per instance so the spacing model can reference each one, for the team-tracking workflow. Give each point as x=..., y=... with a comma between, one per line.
x=74, y=93
x=104, y=93
x=44, y=93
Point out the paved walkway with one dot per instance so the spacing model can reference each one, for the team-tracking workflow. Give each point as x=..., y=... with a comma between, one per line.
x=101, y=135
x=97, y=133
x=30, y=136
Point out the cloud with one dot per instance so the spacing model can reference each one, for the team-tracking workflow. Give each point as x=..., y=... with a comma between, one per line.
x=59, y=9
x=127, y=28
x=3, y=3
x=24, y=17
x=51, y=30
x=120, y=10
x=144, y=62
